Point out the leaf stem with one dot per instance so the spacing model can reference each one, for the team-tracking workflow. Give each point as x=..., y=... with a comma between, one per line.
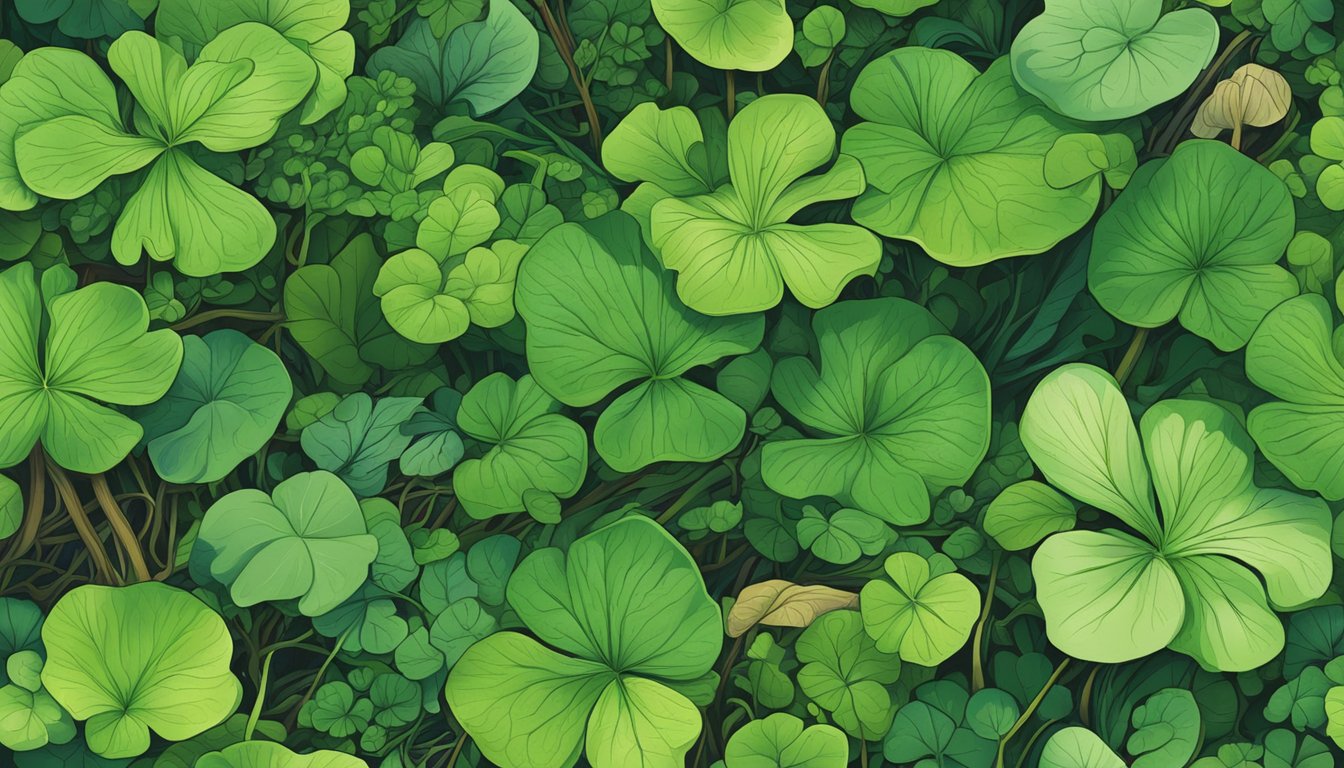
x=229, y=314
x=977, y=647
x=1131, y=356
x=824, y=80
x=317, y=679
x=102, y=565
x=1031, y=708
x=730, y=98
x=255, y=715
x=121, y=527
x=564, y=45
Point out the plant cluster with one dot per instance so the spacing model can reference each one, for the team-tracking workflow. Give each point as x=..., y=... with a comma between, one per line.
x=626, y=384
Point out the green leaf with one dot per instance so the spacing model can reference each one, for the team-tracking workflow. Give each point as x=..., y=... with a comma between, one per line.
x=755, y=35
x=955, y=159
x=1290, y=356
x=845, y=673
x=1112, y=59
x=779, y=740
x=11, y=507
x=266, y=754
x=308, y=541
x=312, y=27
x=333, y=314
x=601, y=313
x=359, y=439
x=225, y=404
x=630, y=604
x=665, y=147
x=843, y=536
x=97, y=349
x=923, y=618
x=1166, y=729
x=1210, y=258
x=1026, y=512
x=1075, y=747
x=734, y=249
x=83, y=18
x=899, y=410
x=537, y=455
x=133, y=659
x=483, y=63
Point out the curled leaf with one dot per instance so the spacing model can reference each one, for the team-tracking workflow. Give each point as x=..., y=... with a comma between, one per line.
x=780, y=603
x=1253, y=95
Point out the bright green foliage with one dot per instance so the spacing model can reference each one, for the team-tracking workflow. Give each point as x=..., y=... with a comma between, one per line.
x=955, y=162
x=887, y=370
x=1189, y=579
x=844, y=673
x=132, y=659
x=922, y=616
x=537, y=456
x=1291, y=357
x=96, y=350
x=1160, y=253
x=781, y=741
x=11, y=507
x=64, y=136
x=628, y=604
x=264, y=754
x=1111, y=59
x=306, y=541
x=226, y=402
x=754, y=35
x=570, y=282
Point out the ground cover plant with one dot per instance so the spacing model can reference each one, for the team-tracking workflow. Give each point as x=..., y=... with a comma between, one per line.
x=671, y=383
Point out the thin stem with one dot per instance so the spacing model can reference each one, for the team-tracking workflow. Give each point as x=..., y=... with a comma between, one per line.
x=102, y=564
x=1131, y=356
x=230, y=314
x=699, y=486
x=317, y=679
x=457, y=750
x=730, y=99
x=1164, y=143
x=564, y=46
x=1031, y=708
x=1032, y=742
x=121, y=527
x=37, y=491
x=1236, y=136
x=1085, y=703
x=824, y=80
x=977, y=645
x=261, y=697
x=667, y=71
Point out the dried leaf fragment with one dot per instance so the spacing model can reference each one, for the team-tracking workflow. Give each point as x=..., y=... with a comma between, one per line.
x=780, y=603
x=1253, y=95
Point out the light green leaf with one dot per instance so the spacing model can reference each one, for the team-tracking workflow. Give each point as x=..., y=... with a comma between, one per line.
x=755, y=35
x=601, y=313
x=1026, y=512
x=308, y=541
x=1112, y=59
x=845, y=673
x=1166, y=729
x=664, y=147
x=899, y=410
x=131, y=659
x=1290, y=356
x=923, y=618
x=11, y=507
x=779, y=740
x=225, y=404
x=955, y=159
x=1210, y=258
x=734, y=250
x=1076, y=747
x=535, y=451
x=266, y=754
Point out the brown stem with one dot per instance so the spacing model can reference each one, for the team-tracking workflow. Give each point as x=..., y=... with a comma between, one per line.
x=1172, y=133
x=75, y=508
x=564, y=44
x=230, y=314
x=121, y=527
x=37, y=497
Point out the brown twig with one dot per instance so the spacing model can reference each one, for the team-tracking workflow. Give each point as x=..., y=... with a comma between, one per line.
x=121, y=527
x=102, y=564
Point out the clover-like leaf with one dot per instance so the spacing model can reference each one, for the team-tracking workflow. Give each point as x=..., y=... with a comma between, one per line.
x=225, y=404
x=1026, y=512
x=755, y=35
x=1112, y=59
x=313, y=27
x=537, y=456
x=734, y=249
x=128, y=660
x=955, y=159
x=899, y=410
x=627, y=611
x=600, y=313
x=483, y=63
x=779, y=740
x=845, y=673
x=307, y=541
x=360, y=439
x=97, y=351
x=1292, y=358
x=923, y=617
x=1189, y=580
x=1161, y=252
